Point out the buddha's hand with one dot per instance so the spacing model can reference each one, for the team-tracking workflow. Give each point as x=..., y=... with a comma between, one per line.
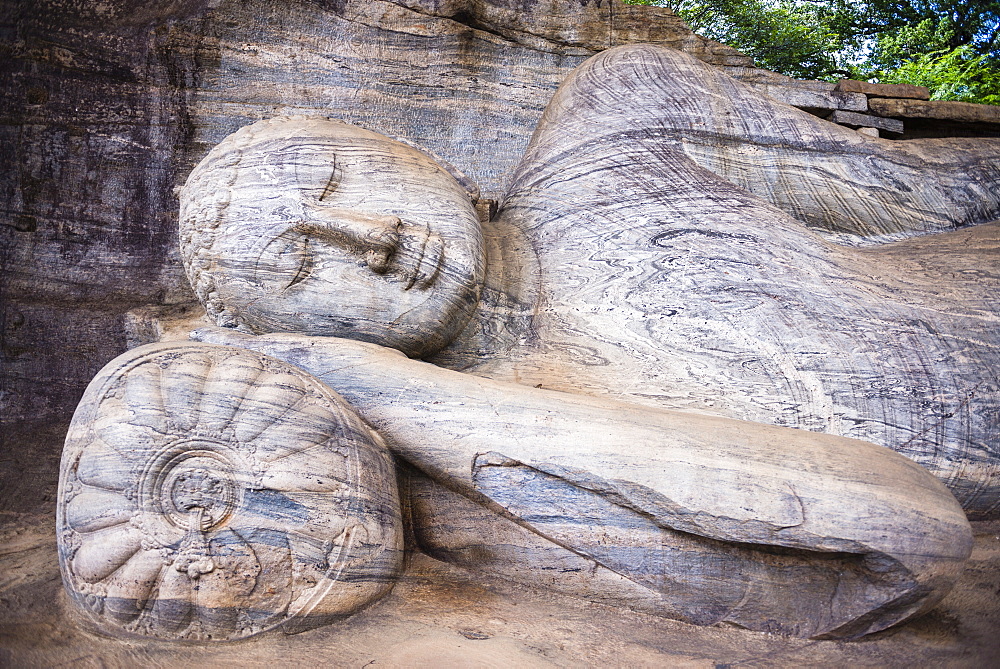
x=319, y=355
x=212, y=334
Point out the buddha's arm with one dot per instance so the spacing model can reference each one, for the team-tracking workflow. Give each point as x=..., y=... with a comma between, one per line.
x=727, y=480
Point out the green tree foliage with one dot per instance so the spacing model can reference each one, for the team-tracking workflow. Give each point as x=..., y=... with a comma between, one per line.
x=796, y=39
x=958, y=74
x=929, y=54
x=950, y=46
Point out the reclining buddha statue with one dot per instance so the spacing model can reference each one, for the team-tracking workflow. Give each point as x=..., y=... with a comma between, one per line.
x=714, y=358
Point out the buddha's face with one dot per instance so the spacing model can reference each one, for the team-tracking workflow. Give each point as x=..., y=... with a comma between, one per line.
x=334, y=230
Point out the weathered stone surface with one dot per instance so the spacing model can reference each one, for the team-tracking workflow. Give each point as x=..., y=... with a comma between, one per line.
x=283, y=219
x=442, y=615
x=92, y=119
x=814, y=101
x=965, y=112
x=709, y=520
x=883, y=90
x=757, y=316
x=813, y=96
x=465, y=79
x=139, y=131
x=654, y=494
x=210, y=493
x=753, y=76
x=856, y=120
x=568, y=25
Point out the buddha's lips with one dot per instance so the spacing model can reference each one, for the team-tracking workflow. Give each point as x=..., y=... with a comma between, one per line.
x=430, y=255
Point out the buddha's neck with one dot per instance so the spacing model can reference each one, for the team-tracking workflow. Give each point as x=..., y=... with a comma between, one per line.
x=503, y=319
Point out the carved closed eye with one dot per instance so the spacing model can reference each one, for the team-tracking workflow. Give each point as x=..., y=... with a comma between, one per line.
x=332, y=182
x=286, y=260
x=371, y=238
x=305, y=266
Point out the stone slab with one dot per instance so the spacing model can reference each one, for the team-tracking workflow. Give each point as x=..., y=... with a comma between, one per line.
x=856, y=120
x=807, y=98
x=965, y=112
x=813, y=96
x=756, y=75
x=883, y=90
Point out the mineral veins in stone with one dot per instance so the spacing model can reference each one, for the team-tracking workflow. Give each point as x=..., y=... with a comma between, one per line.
x=672, y=245
x=702, y=256
x=687, y=516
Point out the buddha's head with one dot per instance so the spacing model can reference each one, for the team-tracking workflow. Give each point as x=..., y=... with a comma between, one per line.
x=318, y=227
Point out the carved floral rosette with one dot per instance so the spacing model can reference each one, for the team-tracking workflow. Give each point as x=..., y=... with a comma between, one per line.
x=209, y=492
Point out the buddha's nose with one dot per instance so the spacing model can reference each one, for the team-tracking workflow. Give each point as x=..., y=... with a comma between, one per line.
x=374, y=238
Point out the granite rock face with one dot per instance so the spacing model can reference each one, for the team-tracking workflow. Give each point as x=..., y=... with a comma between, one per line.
x=659, y=209
x=464, y=79
x=210, y=493
x=641, y=259
x=733, y=215
x=110, y=104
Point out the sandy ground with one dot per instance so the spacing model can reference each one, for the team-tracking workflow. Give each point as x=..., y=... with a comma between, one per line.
x=442, y=616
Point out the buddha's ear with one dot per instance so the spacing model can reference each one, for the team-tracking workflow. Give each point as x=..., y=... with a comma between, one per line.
x=465, y=181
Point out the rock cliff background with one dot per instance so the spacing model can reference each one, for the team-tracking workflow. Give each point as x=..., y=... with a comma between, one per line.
x=110, y=103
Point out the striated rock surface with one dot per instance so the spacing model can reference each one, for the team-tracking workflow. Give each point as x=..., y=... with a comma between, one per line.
x=755, y=302
x=816, y=97
x=731, y=213
x=624, y=263
x=465, y=79
x=692, y=517
x=319, y=227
